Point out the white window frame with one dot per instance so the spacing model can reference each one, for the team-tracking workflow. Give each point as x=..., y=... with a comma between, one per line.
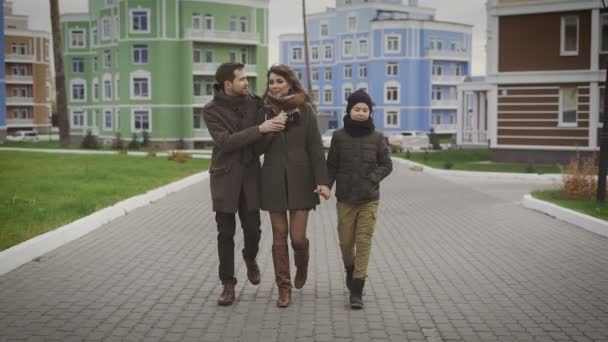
x=107, y=79
x=392, y=67
x=132, y=29
x=348, y=72
x=390, y=112
x=315, y=95
x=80, y=62
x=79, y=82
x=208, y=22
x=197, y=83
x=83, y=115
x=345, y=44
x=328, y=90
x=207, y=54
x=328, y=72
x=561, y=122
x=563, y=51
x=347, y=89
x=297, y=57
x=95, y=92
x=234, y=24
x=139, y=47
x=196, y=51
x=105, y=125
x=387, y=39
x=363, y=51
x=324, y=30
x=84, y=38
x=107, y=62
x=138, y=111
x=314, y=74
x=327, y=48
x=349, y=24
x=436, y=93
x=140, y=74
x=197, y=22
x=314, y=53
x=392, y=84
x=362, y=67
x=94, y=36
x=106, y=24
x=243, y=28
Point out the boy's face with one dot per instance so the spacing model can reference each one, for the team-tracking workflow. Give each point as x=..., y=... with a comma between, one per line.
x=359, y=112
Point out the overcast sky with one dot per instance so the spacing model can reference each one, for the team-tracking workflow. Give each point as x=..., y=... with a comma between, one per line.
x=287, y=18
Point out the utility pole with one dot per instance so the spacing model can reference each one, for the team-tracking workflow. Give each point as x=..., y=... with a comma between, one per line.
x=306, y=58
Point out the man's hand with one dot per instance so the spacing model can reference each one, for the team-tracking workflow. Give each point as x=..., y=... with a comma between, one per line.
x=323, y=191
x=275, y=124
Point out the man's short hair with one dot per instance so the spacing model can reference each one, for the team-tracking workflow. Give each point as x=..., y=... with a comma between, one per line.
x=225, y=72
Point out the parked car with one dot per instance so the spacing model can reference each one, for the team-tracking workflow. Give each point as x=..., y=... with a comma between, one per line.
x=326, y=137
x=23, y=136
x=409, y=140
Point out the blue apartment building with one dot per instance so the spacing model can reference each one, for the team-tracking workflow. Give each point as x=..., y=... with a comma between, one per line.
x=409, y=62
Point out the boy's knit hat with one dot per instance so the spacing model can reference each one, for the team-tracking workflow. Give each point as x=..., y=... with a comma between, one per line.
x=357, y=97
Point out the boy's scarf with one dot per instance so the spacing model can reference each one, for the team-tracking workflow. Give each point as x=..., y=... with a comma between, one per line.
x=356, y=128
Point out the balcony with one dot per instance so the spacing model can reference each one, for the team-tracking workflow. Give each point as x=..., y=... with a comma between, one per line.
x=201, y=100
x=447, y=79
x=19, y=122
x=208, y=69
x=19, y=79
x=201, y=134
x=19, y=100
x=19, y=58
x=446, y=104
x=474, y=137
x=452, y=55
x=228, y=37
x=444, y=128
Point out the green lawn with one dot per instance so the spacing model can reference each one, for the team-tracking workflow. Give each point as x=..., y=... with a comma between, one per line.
x=587, y=206
x=37, y=144
x=473, y=160
x=42, y=191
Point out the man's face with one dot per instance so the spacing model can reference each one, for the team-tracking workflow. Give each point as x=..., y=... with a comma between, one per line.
x=240, y=85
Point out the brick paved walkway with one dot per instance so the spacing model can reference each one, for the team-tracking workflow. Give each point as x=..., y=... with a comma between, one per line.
x=450, y=262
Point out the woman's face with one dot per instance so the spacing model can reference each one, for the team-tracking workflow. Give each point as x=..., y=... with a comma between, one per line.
x=277, y=85
x=359, y=112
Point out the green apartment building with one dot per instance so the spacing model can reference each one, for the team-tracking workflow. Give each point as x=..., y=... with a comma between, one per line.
x=149, y=65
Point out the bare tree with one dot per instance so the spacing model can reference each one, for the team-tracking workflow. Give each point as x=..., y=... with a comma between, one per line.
x=306, y=59
x=62, y=107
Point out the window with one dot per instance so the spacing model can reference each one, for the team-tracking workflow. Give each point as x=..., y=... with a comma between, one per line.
x=107, y=119
x=116, y=27
x=391, y=119
x=106, y=31
x=604, y=33
x=244, y=56
x=328, y=96
x=244, y=24
x=197, y=22
x=348, y=71
x=196, y=56
x=348, y=2
x=457, y=69
x=78, y=119
x=315, y=95
x=352, y=24
x=436, y=119
x=107, y=89
x=296, y=54
x=209, y=56
x=233, y=24
x=391, y=92
x=232, y=56
x=140, y=54
x=298, y=74
x=209, y=88
x=567, y=106
x=436, y=95
x=347, y=48
x=77, y=39
x=107, y=59
x=315, y=74
x=22, y=49
x=140, y=85
x=141, y=120
x=208, y=22
x=347, y=91
x=437, y=70
x=198, y=119
x=569, y=35
x=78, y=90
x=77, y=65
x=197, y=87
x=392, y=43
x=95, y=62
x=315, y=53
x=95, y=90
x=94, y=37
x=328, y=75
x=139, y=21
x=116, y=88
x=324, y=30
x=392, y=69
x=363, y=71
x=363, y=49
x=328, y=52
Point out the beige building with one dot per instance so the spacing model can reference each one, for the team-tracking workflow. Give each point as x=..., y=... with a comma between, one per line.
x=28, y=80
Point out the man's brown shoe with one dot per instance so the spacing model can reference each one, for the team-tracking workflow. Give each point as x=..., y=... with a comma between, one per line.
x=227, y=297
x=253, y=271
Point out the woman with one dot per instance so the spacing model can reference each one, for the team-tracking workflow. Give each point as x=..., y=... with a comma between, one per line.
x=294, y=174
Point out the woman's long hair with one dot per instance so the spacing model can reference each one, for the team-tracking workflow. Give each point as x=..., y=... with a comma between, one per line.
x=287, y=73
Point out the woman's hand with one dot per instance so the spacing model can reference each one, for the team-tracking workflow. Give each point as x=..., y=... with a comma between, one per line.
x=323, y=191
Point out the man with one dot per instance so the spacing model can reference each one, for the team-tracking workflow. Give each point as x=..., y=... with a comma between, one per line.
x=235, y=170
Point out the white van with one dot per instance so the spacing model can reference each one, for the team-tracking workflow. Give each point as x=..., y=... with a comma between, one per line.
x=22, y=136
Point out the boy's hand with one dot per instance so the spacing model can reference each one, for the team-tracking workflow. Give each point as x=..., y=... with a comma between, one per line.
x=323, y=191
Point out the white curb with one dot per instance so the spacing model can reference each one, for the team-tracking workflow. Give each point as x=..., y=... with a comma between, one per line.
x=195, y=154
x=31, y=249
x=554, y=178
x=587, y=222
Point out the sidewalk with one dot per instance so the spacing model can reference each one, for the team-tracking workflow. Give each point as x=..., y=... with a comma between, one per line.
x=450, y=262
